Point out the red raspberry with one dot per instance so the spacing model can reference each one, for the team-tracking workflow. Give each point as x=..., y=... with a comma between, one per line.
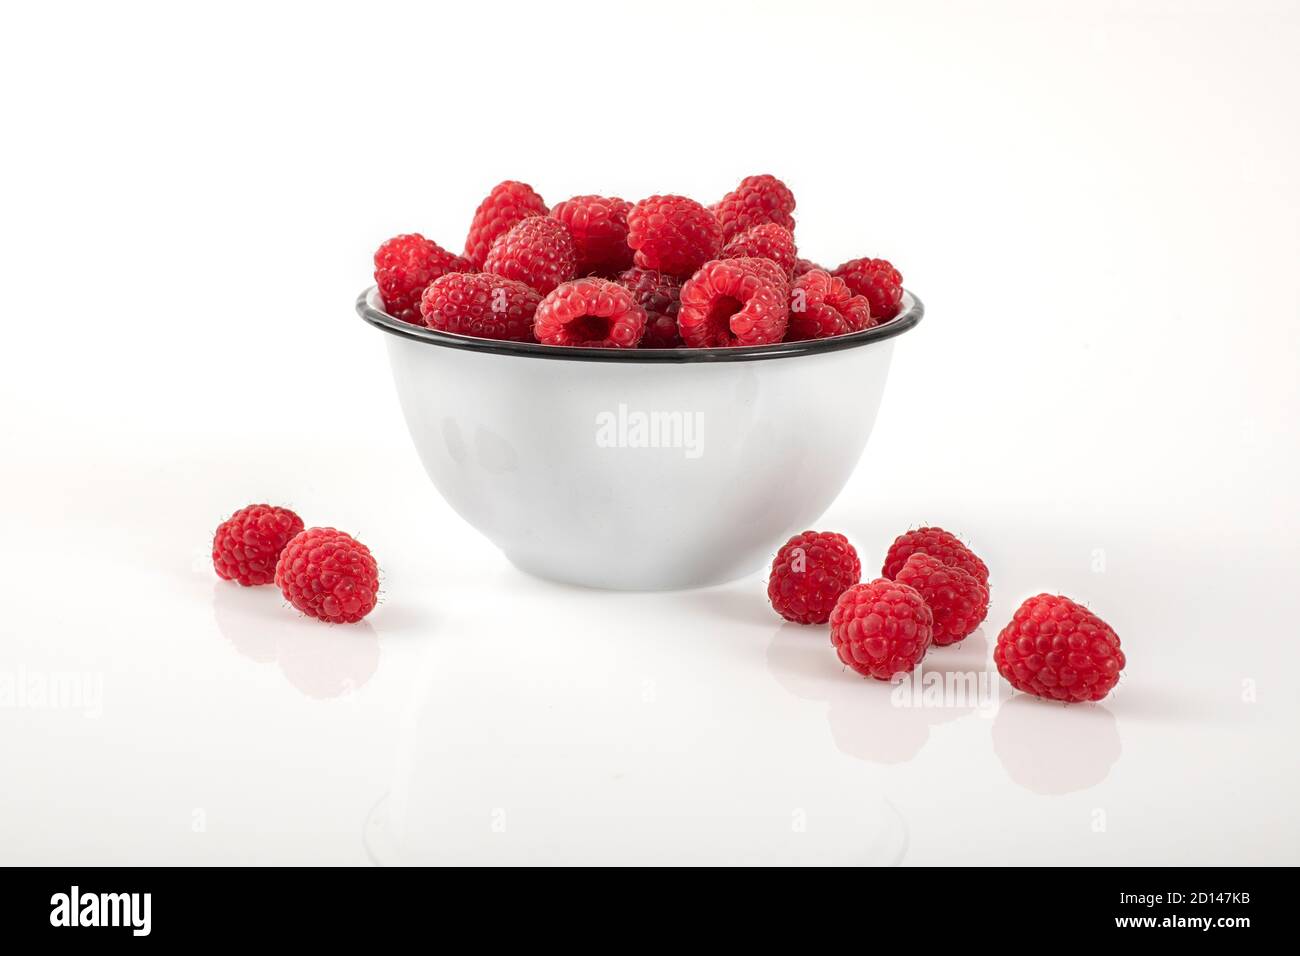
x=822, y=305
x=247, y=544
x=810, y=573
x=672, y=234
x=404, y=266
x=484, y=306
x=876, y=279
x=767, y=240
x=1060, y=650
x=536, y=251
x=881, y=629
x=505, y=205
x=734, y=302
x=590, y=313
x=756, y=200
x=959, y=602
x=937, y=543
x=598, y=225
x=806, y=265
x=329, y=575
x=661, y=297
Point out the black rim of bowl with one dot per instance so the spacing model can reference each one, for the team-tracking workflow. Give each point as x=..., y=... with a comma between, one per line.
x=912, y=312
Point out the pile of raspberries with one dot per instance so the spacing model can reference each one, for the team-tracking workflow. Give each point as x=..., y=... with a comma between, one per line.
x=665, y=272
x=322, y=572
x=934, y=591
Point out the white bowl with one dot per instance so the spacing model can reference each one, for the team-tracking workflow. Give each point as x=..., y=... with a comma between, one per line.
x=641, y=469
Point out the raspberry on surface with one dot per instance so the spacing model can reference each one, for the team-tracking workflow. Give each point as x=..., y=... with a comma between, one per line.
x=767, y=240
x=672, y=234
x=734, y=302
x=505, y=205
x=537, y=251
x=590, y=313
x=660, y=296
x=328, y=575
x=404, y=266
x=481, y=305
x=876, y=279
x=1057, y=649
x=248, y=543
x=881, y=629
x=758, y=199
x=806, y=265
x=822, y=305
x=598, y=225
x=809, y=574
x=937, y=543
x=958, y=601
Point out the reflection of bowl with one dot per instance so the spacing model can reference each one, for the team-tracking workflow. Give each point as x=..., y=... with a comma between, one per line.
x=641, y=469
x=526, y=776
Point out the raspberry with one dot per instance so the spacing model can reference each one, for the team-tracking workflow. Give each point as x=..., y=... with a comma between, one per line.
x=247, y=544
x=938, y=544
x=822, y=305
x=806, y=265
x=881, y=629
x=1060, y=650
x=660, y=296
x=876, y=279
x=536, y=251
x=484, y=306
x=329, y=575
x=590, y=313
x=734, y=302
x=404, y=266
x=809, y=574
x=672, y=234
x=756, y=200
x=958, y=601
x=765, y=241
x=598, y=225
x=505, y=205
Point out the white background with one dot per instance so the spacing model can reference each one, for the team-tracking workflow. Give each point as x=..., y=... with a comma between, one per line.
x=1099, y=207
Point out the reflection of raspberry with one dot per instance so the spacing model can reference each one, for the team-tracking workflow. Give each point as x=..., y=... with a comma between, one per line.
x=505, y=205
x=822, y=305
x=806, y=265
x=484, y=306
x=764, y=241
x=938, y=544
x=672, y=234
x=881, y=629
x=404, y=266
x=599, y=228
x=734, y=302
x=329, y=575
x=248, y=543
x=536, y=251
x=756, y=200
x=661, y=297
x=590, y=313
x=959, y=602
x=1060, y=650
x=876, y=279
x=809, y=574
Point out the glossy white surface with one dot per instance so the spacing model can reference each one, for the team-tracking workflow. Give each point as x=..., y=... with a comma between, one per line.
x=1099, y=207
x=638, y=476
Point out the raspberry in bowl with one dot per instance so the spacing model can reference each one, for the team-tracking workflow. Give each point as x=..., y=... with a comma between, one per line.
x=687, y=394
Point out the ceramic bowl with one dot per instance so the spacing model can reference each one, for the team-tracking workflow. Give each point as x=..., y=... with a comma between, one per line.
x=641, y=469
